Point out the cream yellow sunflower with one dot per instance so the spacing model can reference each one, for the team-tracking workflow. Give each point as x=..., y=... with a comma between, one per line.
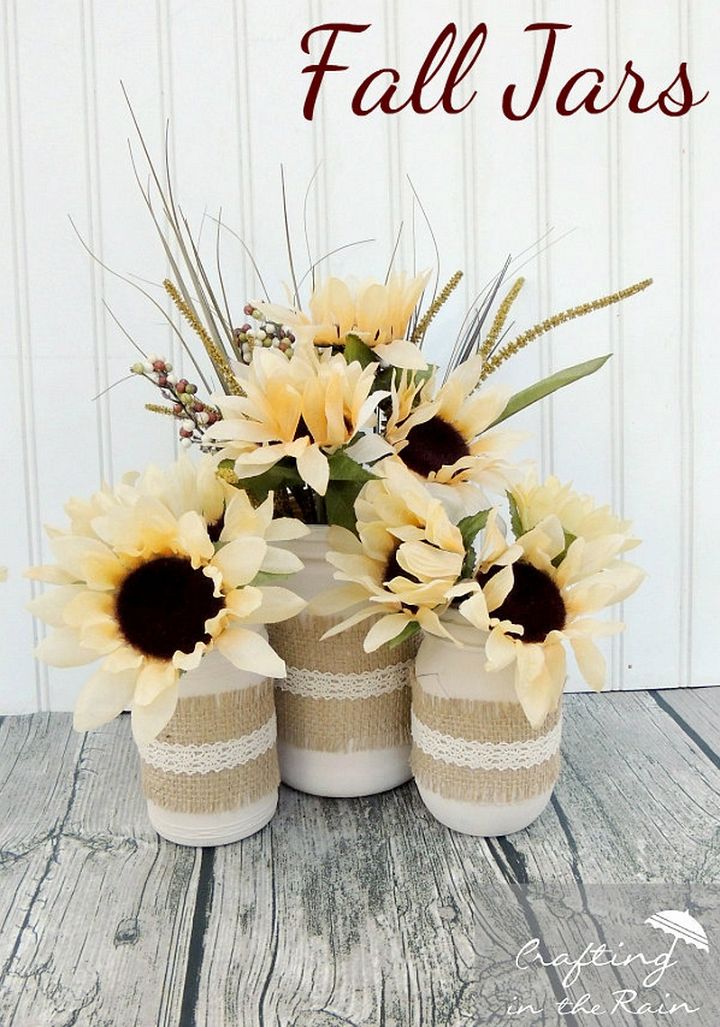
x=404, y=565
x=544, y=597
x=377, y=313
x=442, y=433
x=149, y=593
x=304, y=408
x=579, y=514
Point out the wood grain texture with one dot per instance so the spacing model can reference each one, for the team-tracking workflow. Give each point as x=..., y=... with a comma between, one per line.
x=341, y=912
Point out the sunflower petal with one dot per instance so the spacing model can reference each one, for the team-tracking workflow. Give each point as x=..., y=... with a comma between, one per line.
x=103, y=697
x=313, y=468
x=149, y=720
x=240, y=561
x=155, y=677
x=248, y=650
x=62, y=648
x=385, y=630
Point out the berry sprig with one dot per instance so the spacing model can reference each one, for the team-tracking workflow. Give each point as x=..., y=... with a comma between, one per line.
x=194, y=415
x=267, y=334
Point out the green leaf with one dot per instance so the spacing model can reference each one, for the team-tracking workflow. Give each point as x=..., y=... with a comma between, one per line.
x=280, y=476
x=569, y=539
x=547, y=386
x=515, y=519
x=344, y=468
x=469, y=528
x=340, y=503
x=355, y=349
x=407, y=632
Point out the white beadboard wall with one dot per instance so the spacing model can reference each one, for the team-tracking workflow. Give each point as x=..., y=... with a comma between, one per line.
x=626, y=197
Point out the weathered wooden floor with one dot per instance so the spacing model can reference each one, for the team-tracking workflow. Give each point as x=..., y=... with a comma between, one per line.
x=361, y=912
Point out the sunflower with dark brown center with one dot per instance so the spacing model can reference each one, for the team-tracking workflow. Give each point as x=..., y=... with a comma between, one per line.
x=532, y=597
x=149, y=592
x=534, y=602
x=442, y=433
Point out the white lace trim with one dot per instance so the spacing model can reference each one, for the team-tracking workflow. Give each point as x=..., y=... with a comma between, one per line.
x=319, y=684
x=486, y=755
x=210, y=757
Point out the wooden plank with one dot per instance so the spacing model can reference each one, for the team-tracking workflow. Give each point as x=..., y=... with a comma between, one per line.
x=358, y=912
x=104, y=924
x=351, y=911
x=636, y=800
x=697, y=712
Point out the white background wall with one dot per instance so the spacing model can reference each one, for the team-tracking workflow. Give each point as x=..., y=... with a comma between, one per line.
x=638, y=195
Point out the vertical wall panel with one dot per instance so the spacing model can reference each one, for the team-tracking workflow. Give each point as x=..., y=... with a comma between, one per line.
x=625, y=196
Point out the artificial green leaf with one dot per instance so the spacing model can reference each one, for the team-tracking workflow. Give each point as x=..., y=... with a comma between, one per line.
x=340, y=503
x=344, y=468
x=469, y=528
x=569, y=539
x=407, y=632
x=356, y=350
x=283, y=474
x=515, y=519
x=547, y=386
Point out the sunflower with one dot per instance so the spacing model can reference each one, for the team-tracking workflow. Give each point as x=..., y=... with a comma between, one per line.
x=148, y=592
x=579, y=514
x=404, y=565
x=546, y=596
x=376, y=313
x=441, y=434
x=303, y=408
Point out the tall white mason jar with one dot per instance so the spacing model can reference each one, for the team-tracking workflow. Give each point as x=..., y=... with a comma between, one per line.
x=343, y=714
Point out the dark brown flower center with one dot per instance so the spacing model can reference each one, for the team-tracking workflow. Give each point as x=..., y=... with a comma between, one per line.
x=302, y=430
x=214, y=530
x=432, y=445
x=393, y=568
x=162, y=607
x=534, y=601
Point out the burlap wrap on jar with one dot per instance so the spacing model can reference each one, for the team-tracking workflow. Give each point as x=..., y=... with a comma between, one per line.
x=343, y=714
x=212, y=774
x=479, y=765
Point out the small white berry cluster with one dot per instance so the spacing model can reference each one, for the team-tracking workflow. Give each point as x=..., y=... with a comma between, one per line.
x=194, y=415
x=267, y=334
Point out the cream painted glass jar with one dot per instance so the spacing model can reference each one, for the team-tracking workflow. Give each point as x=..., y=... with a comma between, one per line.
x=343, y=714
x=480, y=767
x=211, y=776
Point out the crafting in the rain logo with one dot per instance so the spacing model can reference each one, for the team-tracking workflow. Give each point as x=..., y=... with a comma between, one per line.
x=650, y=997
x=682, y=927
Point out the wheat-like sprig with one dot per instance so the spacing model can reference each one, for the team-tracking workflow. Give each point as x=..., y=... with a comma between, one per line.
x=500, y=318
x=558, y=319
x=156, y=408
x=424, y=323
x=218, y=359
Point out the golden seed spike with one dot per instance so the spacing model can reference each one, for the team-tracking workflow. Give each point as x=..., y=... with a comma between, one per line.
x=154, y=408
x=424, y=323
x=219, y=362
x=500, y=318
x=557, y=319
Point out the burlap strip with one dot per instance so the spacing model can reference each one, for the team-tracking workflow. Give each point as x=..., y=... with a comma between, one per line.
x=486, y=722
x=340, y=724
x=216, y=718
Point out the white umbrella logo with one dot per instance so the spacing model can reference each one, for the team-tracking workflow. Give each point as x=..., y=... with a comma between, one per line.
x=682, y=927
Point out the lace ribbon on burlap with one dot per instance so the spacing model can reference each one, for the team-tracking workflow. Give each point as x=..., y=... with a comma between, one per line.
x=217, y=753
x=336, y=697
x=483, y=752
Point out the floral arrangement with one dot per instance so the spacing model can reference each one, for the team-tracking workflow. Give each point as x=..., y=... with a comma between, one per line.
x=332, y=411
x=152, y=575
